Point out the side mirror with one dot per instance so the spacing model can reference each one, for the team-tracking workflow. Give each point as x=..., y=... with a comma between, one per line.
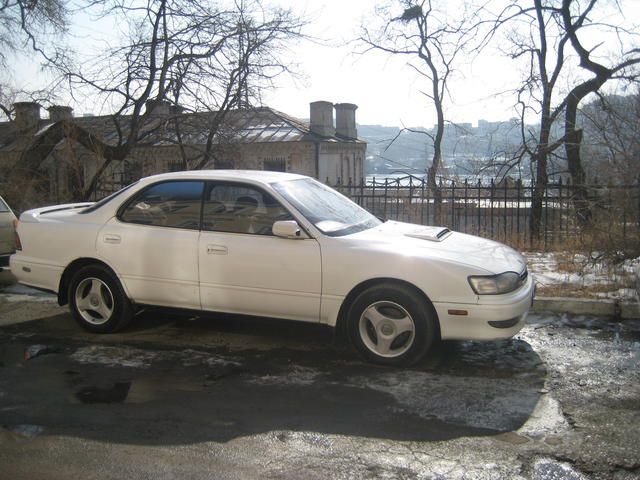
x=288, y=229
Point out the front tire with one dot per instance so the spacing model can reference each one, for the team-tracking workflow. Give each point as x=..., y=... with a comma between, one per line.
x=97, y=300
x=391, y=324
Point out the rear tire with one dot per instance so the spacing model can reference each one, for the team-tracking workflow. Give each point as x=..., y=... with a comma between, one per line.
x=391, y=324
x=97, y=300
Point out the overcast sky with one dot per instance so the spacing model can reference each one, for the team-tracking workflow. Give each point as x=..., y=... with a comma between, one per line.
x=385, y=90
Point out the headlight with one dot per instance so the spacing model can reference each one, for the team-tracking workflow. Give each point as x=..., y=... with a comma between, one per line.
x=495, y=284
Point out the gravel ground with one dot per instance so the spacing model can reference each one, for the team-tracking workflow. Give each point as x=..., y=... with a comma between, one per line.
x=237, y=397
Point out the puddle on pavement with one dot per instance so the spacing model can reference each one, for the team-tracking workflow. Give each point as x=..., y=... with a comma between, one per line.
x=116, y=393
x=11, y=354
x=149, y=389
x=140, y=390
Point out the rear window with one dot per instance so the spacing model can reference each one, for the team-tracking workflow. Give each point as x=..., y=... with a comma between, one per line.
x=107, y=199
x=3, y=206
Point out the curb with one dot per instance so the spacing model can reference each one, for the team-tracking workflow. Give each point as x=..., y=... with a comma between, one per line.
x=588, y=306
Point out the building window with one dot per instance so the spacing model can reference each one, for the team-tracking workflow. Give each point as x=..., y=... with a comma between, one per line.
x=275, y=164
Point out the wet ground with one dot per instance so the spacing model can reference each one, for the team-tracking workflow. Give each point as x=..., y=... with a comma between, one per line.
x=237, y=397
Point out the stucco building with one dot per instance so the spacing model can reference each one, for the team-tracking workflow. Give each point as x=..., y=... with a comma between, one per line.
x=258, y=138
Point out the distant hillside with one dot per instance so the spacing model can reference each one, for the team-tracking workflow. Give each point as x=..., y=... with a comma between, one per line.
x=464, y=149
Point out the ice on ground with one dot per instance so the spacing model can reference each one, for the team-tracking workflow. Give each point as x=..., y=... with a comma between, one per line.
x=547, y=418
x=503, y=405
x=550, y=469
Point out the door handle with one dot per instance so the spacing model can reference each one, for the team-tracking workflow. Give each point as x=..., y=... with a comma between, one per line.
x=217, y=250
x=115, y=239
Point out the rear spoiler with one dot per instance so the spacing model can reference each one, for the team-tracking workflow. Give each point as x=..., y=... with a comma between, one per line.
x=32, y=215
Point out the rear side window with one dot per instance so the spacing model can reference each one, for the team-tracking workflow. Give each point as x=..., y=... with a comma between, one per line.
x=3, y=206
x=168, y=204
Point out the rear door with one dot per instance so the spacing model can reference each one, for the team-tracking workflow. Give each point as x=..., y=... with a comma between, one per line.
x=153, y=244
x=244, y=268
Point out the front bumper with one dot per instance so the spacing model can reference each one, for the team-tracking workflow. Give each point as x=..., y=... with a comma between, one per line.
x=495, y=317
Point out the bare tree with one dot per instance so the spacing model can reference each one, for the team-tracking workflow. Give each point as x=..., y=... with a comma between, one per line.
x=573, y=22
x=28, y=26
x=532, y=35
x=187, y=52
x=432, y=40
x=611, y=145
x=545, y=33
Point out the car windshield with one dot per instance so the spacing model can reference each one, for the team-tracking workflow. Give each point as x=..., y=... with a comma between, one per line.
x=330, y=212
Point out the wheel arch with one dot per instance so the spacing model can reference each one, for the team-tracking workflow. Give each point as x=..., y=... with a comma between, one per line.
x=71, y=269
x=341, y=321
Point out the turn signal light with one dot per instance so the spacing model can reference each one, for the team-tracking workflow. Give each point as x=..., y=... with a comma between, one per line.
x=16, y=237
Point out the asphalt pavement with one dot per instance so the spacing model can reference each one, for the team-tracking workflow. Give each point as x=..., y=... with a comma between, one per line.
x=225, y=396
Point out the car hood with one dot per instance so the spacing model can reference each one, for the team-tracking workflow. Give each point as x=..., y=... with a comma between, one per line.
x=441, y=243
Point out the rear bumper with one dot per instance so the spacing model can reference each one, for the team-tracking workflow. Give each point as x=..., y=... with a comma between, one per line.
x=502, y=318
x=33, y=274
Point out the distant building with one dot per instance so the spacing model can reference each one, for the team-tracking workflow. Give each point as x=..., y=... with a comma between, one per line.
x=258, y=138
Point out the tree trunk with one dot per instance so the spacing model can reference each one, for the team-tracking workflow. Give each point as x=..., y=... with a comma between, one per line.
x=540, y=186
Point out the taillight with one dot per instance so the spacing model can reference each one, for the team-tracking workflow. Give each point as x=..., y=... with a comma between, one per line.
x=16, y=237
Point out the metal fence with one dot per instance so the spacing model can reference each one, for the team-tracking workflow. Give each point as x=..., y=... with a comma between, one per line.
x=501, y=210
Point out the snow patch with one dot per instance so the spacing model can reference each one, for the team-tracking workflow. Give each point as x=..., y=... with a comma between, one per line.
x=11, y=298
x=585, y=271
x=192, y=357
x=114, y=356
x=302, y=376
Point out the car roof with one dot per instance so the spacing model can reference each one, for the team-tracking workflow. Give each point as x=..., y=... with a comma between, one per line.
x=260, y=176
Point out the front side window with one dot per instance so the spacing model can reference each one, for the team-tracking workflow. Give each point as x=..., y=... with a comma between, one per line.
x=238, y=208
x=3, y=206
x=331, y=213
x=167, y=204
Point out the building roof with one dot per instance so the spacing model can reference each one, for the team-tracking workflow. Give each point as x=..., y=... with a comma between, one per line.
x=255, y=125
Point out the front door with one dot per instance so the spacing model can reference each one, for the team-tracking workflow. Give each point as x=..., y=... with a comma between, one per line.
x=244, y=268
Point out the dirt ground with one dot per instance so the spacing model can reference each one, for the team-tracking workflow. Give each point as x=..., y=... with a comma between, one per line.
x=235, y=397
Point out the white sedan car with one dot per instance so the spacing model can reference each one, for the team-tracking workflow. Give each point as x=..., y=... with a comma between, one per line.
x=272, y=245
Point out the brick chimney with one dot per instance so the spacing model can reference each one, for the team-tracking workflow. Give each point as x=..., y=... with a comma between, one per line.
x=159, y=108
x=27, y=115
x=60, y=112
x=346, y=120
x=321, y=118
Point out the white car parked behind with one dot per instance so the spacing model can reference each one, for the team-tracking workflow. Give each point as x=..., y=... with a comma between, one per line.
x=274, y=245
